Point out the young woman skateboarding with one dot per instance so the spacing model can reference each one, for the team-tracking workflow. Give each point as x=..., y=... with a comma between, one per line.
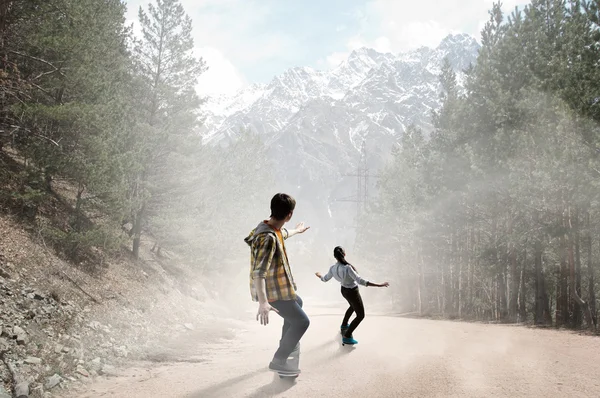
x=346, y=274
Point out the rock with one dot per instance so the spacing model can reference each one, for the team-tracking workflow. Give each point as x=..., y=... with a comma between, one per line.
x=121, y=351
x=20, y=335
x=108, y=370
x=96, y=364
x=82, y=371
x=58, y=349
x=22, y=340
x=4, y=344
x=37, y=392
x=22, y=390
x=33, y=360
x=188, y=326
x=53, y=381
x=17, y=330
x=94, y=325
x=4, y=393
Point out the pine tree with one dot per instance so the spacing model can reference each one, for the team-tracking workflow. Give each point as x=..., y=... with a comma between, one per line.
x=166, y=134
x=68, y=121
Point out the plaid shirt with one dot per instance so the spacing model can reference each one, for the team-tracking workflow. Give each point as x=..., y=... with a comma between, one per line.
x=269, y=261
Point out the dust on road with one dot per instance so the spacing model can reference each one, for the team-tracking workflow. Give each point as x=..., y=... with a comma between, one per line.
x=395, y=357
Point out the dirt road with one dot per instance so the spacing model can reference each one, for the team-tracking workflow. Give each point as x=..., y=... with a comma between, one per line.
x=395, y=357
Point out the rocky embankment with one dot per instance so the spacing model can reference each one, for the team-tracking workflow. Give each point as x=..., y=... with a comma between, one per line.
x=61, y=327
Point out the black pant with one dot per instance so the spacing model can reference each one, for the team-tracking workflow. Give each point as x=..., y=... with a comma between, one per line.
x=295, y=323
x=356, y=305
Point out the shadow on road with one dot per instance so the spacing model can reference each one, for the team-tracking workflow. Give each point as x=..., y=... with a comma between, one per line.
x=217, y=390
x=277, y=386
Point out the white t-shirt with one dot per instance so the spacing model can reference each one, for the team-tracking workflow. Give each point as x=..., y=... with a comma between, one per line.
x=344, y=274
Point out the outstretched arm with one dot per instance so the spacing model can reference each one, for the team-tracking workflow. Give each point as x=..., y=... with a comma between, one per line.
x=384, y=284
x=300, y=229
x=365, y=282
x=325, y=278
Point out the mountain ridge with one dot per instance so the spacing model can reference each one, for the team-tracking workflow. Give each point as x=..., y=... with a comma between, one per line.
x=315, y=123
x=267, y=108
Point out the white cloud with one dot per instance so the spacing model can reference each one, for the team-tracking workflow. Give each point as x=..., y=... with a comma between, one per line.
x=222, y=77
x=401, y=25
x=228, y=34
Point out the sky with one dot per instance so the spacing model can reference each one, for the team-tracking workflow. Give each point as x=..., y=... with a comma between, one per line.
x=251, y=41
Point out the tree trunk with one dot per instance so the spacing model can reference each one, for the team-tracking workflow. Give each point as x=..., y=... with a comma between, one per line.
x=471, y=270
x=522, y=290
x=460, y=280
x=562, y=285
x=541, y=298
x=440, y=285
x=503, y=305
x=571, y=260
x=590, y=268
x=500, y=282
x=577, y=309
x=514, y=281
x=78, y=205
x=137, y=231
x=419, y=284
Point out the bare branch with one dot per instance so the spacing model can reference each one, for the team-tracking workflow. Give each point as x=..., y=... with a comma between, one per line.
x=43, y=61
x=16, y=128
x=43, y=90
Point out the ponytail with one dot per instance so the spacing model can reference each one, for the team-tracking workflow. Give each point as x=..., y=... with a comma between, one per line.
x=340, y=255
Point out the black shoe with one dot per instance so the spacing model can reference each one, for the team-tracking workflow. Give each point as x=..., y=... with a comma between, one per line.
x=277, y=366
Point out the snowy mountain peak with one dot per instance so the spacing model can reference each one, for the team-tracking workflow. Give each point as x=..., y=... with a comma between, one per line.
x=460, y=39
x=383, y=91
x=316, y=122
x=461, y=50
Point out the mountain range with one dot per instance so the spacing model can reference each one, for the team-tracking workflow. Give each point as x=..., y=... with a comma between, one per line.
x=315, y=123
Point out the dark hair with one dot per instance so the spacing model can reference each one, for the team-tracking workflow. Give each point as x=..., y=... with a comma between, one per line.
x=282, y=205
x=340, y=254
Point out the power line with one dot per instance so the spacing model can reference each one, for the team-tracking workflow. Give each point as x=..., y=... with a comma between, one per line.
x=361, y=197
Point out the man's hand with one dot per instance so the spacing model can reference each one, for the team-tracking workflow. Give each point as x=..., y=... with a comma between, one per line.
x=318, y=274
x=263, y=313
x=300, y=228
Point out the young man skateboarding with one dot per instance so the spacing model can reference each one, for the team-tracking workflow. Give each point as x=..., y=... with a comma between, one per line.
x=272, y=283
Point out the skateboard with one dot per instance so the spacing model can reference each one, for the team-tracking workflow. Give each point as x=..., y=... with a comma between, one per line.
x=294, y=360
